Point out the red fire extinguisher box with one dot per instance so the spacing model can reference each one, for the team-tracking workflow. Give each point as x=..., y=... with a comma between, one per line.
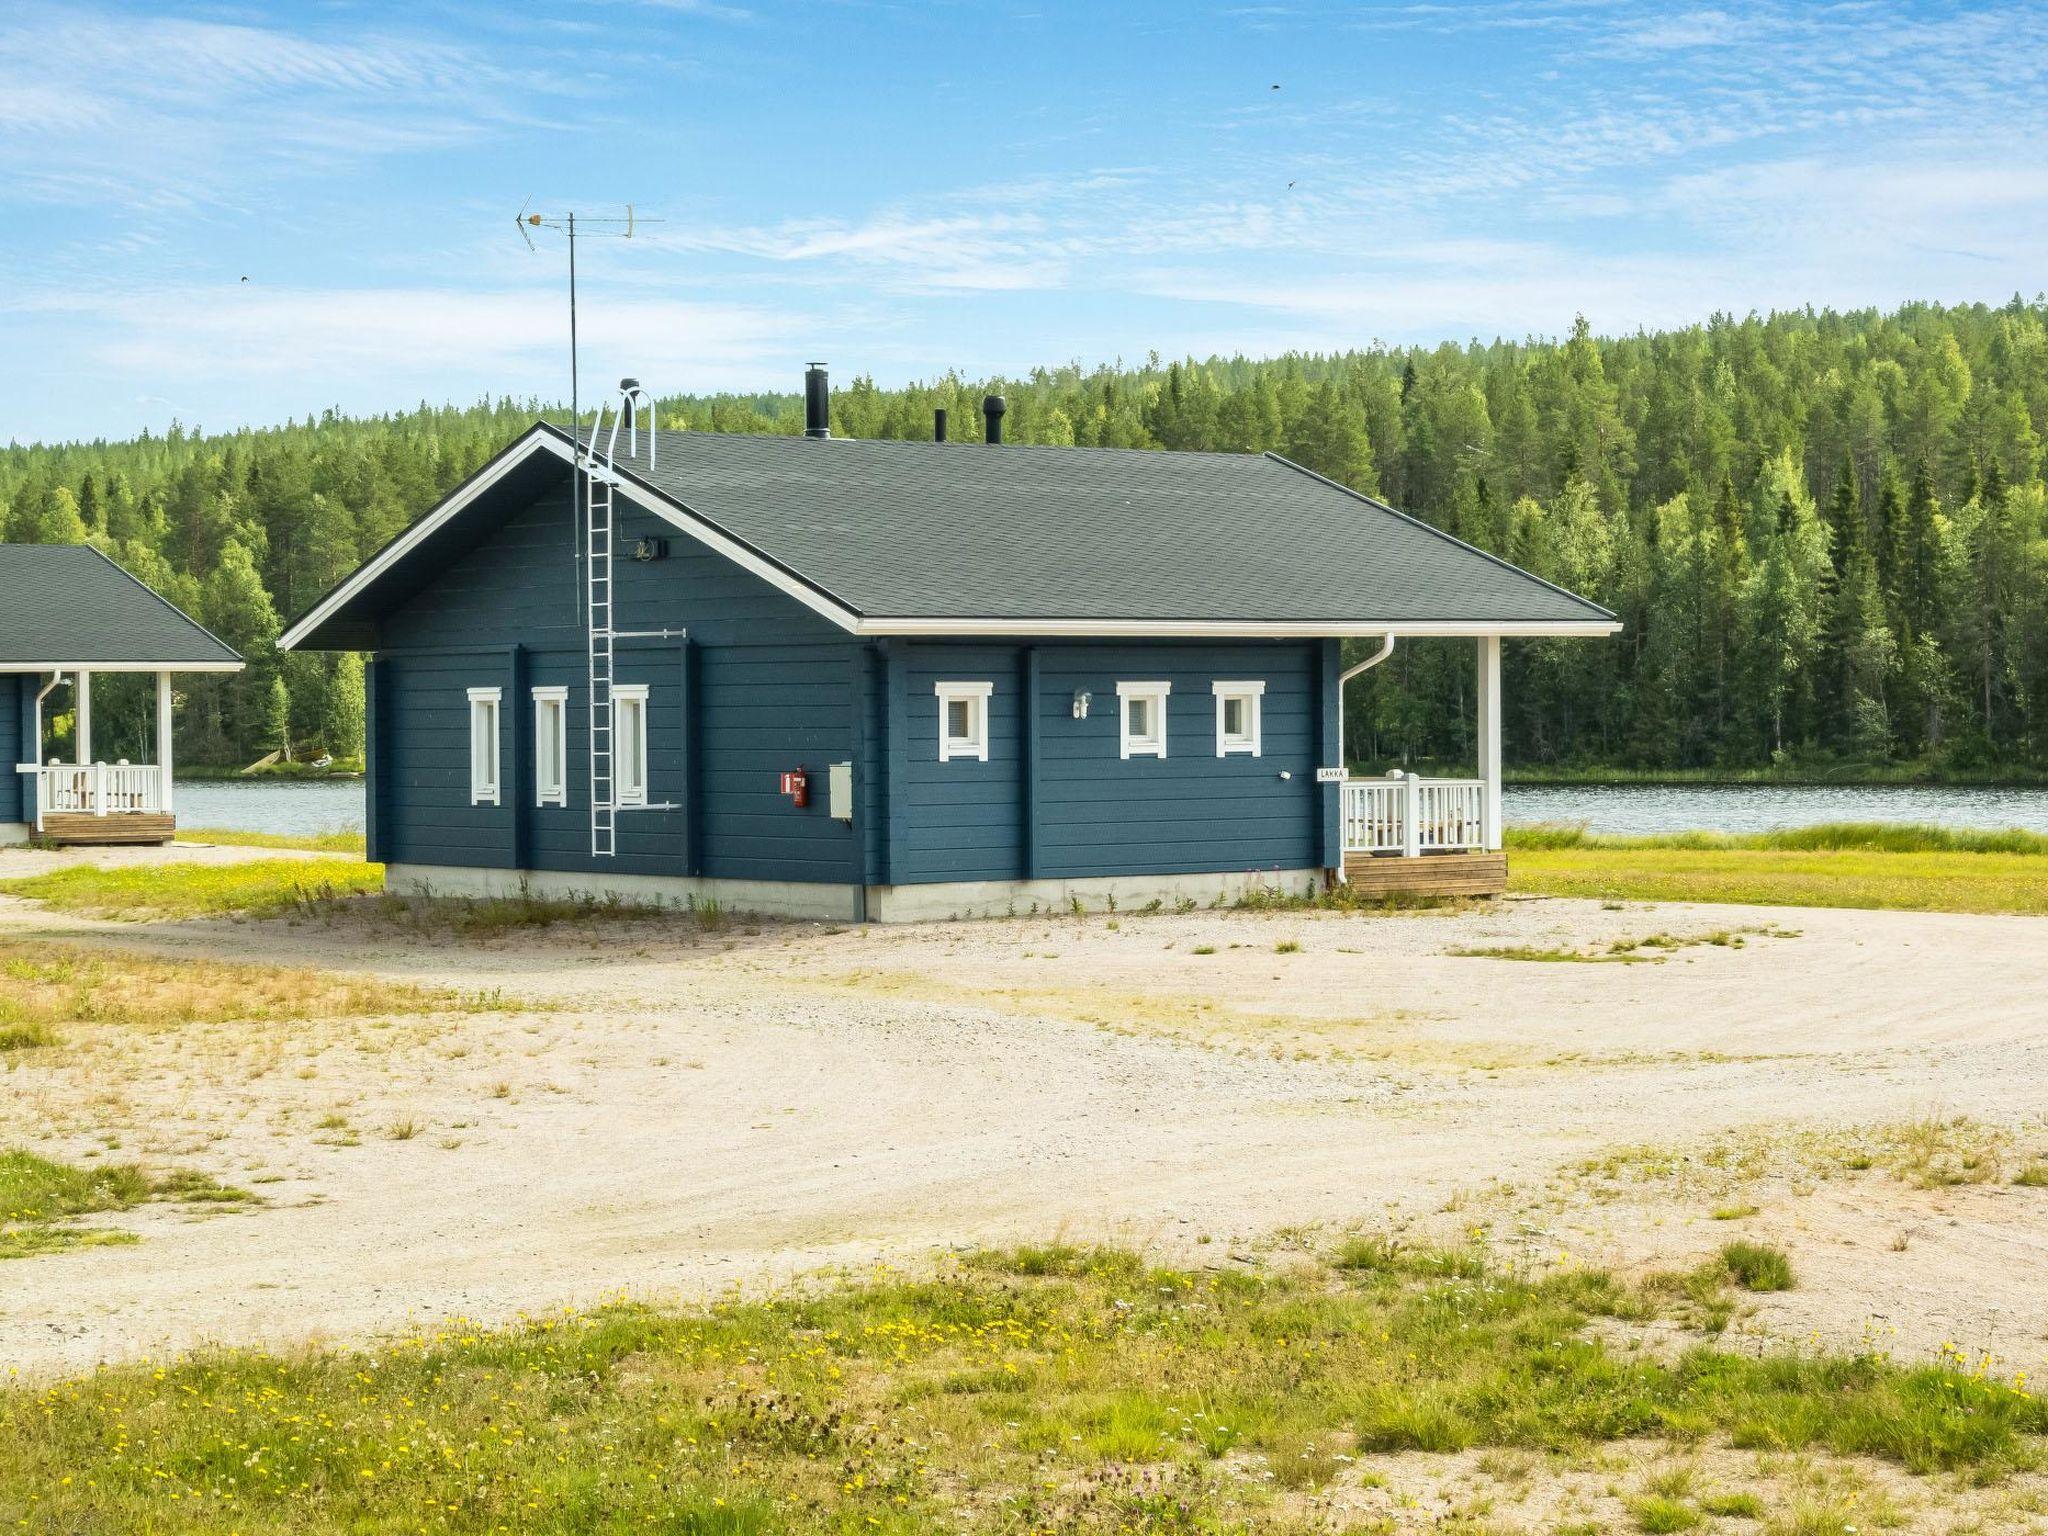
x=797, y=785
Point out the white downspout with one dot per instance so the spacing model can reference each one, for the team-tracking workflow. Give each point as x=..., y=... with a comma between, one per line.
x=56, y=680
x=1386, y=649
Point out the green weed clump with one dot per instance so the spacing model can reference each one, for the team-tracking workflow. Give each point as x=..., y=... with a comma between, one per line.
x=1756, y=1267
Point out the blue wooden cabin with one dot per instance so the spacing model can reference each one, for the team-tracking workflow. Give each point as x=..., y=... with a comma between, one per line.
x=891, y=680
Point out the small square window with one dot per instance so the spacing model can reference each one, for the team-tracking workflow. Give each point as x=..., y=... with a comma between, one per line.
x=551, y=746
x=963, y=720
x=1141, y=708
x=483, y=746
x=1237, y=717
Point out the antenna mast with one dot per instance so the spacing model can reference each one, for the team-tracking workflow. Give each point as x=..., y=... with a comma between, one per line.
x=592, y=477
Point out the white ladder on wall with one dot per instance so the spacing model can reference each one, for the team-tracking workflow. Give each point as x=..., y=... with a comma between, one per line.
x=600, y=480
x=597, y=526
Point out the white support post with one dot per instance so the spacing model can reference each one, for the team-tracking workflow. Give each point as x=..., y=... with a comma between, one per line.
x=1489, y=741
x=163, y=742
x=81, y=718
x=1411, y=816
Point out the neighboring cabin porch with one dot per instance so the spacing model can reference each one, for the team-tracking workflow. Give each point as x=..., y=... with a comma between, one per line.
x=90, y=800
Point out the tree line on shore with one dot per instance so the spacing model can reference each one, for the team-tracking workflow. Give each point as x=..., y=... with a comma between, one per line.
x=1826, y=534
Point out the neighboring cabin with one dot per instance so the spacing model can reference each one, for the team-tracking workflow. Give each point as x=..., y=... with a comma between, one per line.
x=67, y=613
x=1002, y=676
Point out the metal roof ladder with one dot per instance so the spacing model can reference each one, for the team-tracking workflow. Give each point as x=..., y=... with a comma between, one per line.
x=599, y=481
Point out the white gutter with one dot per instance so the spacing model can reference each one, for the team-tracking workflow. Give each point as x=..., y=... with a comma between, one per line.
x=1386, y=649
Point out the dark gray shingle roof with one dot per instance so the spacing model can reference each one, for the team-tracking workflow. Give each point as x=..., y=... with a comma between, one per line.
x=70, y=604
x=972, y=531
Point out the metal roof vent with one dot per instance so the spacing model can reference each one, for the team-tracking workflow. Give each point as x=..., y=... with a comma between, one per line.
x=992, y=408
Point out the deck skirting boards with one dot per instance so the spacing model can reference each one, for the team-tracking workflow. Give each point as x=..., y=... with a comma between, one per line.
x=1434, y=874
x=81, y=828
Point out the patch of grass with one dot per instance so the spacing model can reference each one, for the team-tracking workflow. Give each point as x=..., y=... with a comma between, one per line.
x=40, y=1199
x=1733, y=1212
x=1822, y=837
x=1070, y=1389
x=48, y=984
x=1710, y=871
x=165, y=892
x=1656, y=1513
x=22, y=1037
x=1741, y=1506
x=1287, y=947
x=1757, y=1267
x=234, y=837
x=1551, y=956
x=2033, y=1176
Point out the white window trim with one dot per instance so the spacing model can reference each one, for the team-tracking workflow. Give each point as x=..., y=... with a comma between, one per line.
x=1251, y=744
x=485, y=788
x=1128, y=745
x=635, y=693
x=974, y=745
x=558, y=699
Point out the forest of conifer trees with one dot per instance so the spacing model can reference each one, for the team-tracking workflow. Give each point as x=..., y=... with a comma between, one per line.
x=1826, y=534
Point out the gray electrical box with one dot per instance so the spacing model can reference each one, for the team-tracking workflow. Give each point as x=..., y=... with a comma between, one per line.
x=839, y=791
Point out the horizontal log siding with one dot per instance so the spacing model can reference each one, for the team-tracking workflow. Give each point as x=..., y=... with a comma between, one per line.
x=771, y=686
x=17, y=694
x=1092, y=812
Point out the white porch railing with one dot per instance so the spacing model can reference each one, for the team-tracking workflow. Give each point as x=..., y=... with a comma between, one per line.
x=97, y=789
x=1413, y=816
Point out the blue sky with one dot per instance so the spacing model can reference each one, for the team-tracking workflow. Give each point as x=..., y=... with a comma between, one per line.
x=901, y=189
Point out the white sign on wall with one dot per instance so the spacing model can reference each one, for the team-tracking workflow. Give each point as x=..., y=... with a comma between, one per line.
x=1332, y=775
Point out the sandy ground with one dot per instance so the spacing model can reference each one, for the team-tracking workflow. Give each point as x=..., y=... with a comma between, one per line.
x=656, y=1109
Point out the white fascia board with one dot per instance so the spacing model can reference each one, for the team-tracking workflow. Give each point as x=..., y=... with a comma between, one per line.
x=1230, y=629
x=121, y=666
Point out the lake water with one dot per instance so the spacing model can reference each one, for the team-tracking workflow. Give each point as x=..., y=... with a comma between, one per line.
x=336, y=805
x=1637, y=809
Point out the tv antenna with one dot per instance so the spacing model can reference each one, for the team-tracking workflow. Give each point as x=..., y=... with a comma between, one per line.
x=567, y=225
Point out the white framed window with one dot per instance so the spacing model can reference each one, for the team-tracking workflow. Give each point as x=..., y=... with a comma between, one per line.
x=1237, y=717
x=1141, y=712
x=483, y=746
x=963, y=720
x=629, y=743
x=550, y=746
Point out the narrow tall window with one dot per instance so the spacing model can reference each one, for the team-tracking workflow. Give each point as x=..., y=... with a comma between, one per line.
x=963, y=720
x=483, y=746
x=550, y=746
x=1237, y=717
x=629, y=743
x=1142, y=711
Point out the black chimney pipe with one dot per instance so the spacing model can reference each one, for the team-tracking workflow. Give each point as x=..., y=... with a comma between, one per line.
x=817, y=402
x=992, y=408
x=939, y=425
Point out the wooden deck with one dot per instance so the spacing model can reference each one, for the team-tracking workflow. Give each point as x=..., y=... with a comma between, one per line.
x=74, y=828
x=1434, y=874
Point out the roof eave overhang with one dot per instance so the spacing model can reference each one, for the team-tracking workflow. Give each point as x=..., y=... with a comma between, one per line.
x=122, y=666
x=1239, y=629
